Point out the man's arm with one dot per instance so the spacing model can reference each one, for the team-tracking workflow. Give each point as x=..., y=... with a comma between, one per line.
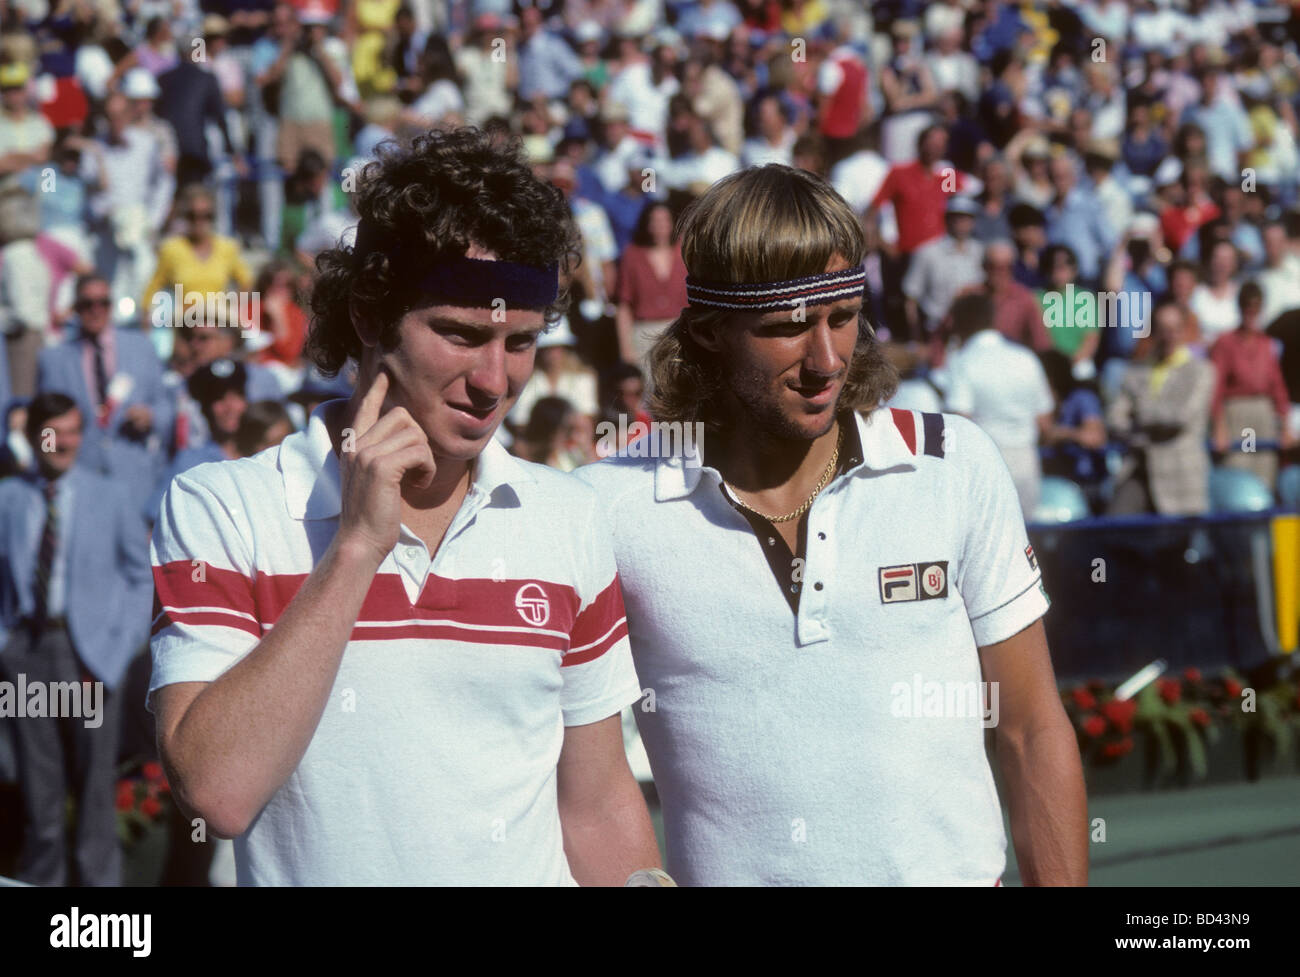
x=1038, y=756
x=228, y=745
x=607, y=830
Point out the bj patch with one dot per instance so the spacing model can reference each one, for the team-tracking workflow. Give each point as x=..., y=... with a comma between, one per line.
x=913, y=581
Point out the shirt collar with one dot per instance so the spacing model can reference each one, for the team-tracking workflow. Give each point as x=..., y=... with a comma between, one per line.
x=310, y=470
x=872, y=443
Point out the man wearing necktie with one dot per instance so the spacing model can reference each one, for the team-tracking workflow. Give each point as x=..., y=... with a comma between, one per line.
x=74, y=609
x=116, y=380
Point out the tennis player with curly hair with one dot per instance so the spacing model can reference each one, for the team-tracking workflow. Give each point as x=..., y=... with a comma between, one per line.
x=386, y=651
x=835, y=600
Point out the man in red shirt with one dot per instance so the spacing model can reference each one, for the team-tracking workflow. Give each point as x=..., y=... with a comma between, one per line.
x=919, y=191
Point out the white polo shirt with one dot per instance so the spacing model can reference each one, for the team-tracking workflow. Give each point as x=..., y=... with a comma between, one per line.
x=435, y=758
x=791, y=748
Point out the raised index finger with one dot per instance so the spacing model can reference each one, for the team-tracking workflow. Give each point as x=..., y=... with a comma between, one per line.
x=368, y=409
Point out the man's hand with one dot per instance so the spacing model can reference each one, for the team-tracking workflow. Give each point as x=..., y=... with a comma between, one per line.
x=376, y=455
x=140, y=418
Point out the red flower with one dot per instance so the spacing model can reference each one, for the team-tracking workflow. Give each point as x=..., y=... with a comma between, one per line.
x=125, y=795
x=1170, y=690
x=1120, y=713
x=152, y=771
x=1200, y=717
x=1118, y=748
x=1083, y=698
x=1232, y=687
x=1094, y=726
x=150, y=807
x=164, y=787
x=1192, y=674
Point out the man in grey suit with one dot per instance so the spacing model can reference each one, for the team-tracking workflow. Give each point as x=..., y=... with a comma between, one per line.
x=115, y=379
x=75, y=592
x=1163, y=410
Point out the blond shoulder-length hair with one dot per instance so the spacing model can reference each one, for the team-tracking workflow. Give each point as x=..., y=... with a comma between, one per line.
x=762, y=224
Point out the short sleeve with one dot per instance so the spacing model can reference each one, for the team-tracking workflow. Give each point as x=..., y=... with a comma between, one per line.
x=599, y=679
x=204, y=617
x=998, y=577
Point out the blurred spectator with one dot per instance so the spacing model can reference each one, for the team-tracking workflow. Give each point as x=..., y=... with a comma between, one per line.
x=198, y=260
x=1075, y=217
x=131, y=193
x=910, y=95
x=33, y=269
x=1076, y=436
x=1250, y=403
x=547, y=64
x=558, y=435
x=220, y=390
x=940, y=269
x=1162, y=412
x=919, y=190
x=558, y=373
x=1000, y=386
x=264, y=425
x=1072, y=325
x=75, y=609
x=26, y=136
x=114, y=377
x=1017, y=313
x=1280, y=277
x=651, y=284
x=1215, y=301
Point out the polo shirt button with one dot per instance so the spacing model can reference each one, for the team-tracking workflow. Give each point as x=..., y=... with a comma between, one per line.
x=821, y=535
x=817, y=585
x=794, y=588
x=771, y=541
x=412, y=553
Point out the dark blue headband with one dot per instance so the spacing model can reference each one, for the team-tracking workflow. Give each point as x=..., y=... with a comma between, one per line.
x=474, y=282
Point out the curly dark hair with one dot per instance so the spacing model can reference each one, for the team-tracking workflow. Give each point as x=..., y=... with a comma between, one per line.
x=431, y=200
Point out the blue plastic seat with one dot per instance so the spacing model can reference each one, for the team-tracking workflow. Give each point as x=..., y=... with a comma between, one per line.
x=1060, y=501
x=1234, y=490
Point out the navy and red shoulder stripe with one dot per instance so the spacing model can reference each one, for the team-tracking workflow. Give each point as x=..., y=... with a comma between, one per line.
x=931, y=431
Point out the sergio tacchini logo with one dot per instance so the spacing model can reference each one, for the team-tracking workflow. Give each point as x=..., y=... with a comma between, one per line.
x=532, y=605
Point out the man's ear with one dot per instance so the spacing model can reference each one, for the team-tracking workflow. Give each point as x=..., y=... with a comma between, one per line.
x=704, y=335
x=367, y=329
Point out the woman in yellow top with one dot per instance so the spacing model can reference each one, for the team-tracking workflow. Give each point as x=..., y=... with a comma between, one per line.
x=369, y=23
x=198, y=260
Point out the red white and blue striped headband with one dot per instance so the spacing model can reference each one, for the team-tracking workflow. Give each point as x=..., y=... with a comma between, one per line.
x=472, y=283
x=790, y=294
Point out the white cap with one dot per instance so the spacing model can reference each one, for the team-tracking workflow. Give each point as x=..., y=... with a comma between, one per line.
x=140, y=83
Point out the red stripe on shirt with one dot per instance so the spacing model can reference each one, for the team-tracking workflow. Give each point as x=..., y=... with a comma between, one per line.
x=906, y=425
x=481, y=603
x=595, y=651
x=598, y=622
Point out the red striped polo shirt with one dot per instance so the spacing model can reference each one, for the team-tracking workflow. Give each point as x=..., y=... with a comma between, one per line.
x=435, y=758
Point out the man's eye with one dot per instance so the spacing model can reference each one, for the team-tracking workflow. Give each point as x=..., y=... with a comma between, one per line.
x=518, y=344
x=458, y=336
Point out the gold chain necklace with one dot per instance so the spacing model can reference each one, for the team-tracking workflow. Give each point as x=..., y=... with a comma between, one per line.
x=821, y=484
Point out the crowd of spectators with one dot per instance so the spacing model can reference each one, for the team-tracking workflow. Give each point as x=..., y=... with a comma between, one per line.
x=1081, y=215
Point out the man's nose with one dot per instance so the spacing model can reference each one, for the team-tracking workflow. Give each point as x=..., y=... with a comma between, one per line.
x=488, y=380
x=820, y=356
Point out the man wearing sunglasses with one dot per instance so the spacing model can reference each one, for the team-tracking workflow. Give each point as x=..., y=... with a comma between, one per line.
x=116, y=380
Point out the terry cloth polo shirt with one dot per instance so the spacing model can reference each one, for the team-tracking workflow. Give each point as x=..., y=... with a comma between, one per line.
x=800, y=747
x=435, y=758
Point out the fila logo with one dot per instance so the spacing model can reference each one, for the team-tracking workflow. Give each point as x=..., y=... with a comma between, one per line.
x=532, y=605
x=913, y=581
